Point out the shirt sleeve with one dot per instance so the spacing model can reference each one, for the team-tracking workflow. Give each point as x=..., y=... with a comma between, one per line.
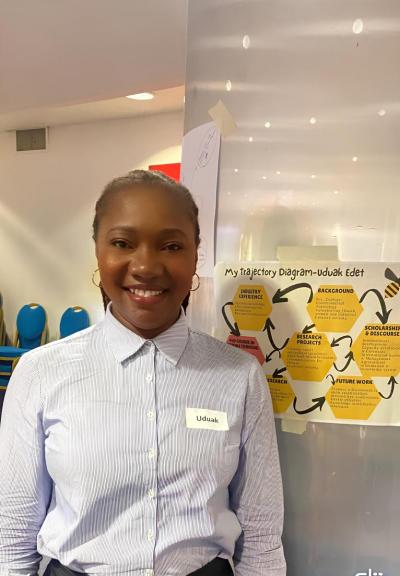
x=25, y=486
x=256, y=494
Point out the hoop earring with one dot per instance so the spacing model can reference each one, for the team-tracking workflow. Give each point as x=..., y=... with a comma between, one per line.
x=93, y=279
x=198, y=283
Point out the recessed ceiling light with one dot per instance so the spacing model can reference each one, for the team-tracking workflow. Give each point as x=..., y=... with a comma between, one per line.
x=236, y=170
x=382, y=112
x=246, y=42
x=228, y=85
x=251, y=139
x=141, y=96
x=229, y=193
x=278, y=172
x=313, y=176
x=336, y=191
x=313, y=120
x=264, y=177
x=358, y=26
x=355, y=159
x=267, y=124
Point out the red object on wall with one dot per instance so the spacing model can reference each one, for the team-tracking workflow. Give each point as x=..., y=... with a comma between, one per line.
x=171, y=170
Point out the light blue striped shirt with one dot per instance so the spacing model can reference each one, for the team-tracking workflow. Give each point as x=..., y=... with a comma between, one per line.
x=106, y=465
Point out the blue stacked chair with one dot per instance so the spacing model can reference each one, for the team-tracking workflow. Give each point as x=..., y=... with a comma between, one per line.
x=73, y=320
x=31, y=332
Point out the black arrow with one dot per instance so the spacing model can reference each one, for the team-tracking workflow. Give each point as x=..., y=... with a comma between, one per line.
x=350, y=357
x=335, y=341
x=269, y=356
x=268, y=325
x=384, y=314
x=319, y=402
x=234, y=329
x=307, y=329
x=392, y=382
x=279, y=294
x=278, y=372
x=331, y=377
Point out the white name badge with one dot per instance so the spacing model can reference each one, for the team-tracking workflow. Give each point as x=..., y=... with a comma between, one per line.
x=209, y=419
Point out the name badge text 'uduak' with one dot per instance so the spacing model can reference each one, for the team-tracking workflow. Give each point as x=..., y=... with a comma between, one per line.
x=207, y=419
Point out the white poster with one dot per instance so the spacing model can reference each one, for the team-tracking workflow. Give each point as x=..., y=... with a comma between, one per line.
x=199, y=173
x=326, y=334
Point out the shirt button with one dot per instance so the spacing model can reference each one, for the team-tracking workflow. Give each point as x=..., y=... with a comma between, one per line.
x=150, y=414
x=151, y=493
x=149, y=377
x=149, y=535
x=150, y=453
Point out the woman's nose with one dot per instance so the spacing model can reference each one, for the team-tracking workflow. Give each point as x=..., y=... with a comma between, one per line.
x=145, y=262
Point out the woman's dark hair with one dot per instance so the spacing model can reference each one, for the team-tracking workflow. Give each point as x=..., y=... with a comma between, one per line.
x=151, y=179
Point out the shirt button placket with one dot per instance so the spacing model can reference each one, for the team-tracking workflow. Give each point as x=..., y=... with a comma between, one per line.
x=152, y=454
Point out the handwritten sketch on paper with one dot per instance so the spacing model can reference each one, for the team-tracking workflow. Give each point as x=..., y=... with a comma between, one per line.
x=199, y=172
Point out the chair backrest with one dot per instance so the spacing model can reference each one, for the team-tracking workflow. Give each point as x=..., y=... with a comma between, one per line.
x=73, y=320
x=31, y=326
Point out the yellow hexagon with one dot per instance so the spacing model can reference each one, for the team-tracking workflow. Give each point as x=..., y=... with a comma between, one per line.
x=334, y=308
x=377, y=350
x=281, y=393
x=251, y=307
x=353, y=397
x=308, y=356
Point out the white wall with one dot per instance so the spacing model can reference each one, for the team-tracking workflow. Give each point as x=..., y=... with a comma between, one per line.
x=47, y=205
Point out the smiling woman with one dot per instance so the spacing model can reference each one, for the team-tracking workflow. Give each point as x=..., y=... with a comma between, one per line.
x=147, y=234
x=140, y=446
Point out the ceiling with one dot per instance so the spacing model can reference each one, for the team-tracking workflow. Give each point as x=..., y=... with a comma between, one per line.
x=167, y=100
x=56, y=54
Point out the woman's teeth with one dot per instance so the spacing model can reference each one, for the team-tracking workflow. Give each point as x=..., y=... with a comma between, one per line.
x=145, y=293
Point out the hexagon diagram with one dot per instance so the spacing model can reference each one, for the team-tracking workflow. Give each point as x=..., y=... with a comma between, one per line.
x=308, y=356
x=353, y=398
x=334, y=308
x=377, y=350
x=247, y=343
x=251, y=307
x=281, y=393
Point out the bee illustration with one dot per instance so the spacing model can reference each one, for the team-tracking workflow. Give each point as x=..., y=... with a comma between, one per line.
x=391, y=289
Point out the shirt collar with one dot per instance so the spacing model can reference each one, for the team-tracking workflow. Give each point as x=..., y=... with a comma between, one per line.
x=125, y=343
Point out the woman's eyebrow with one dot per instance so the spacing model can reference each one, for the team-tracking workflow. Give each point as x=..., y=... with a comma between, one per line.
x=121, y=229
x=172, y=231
x=162, y=232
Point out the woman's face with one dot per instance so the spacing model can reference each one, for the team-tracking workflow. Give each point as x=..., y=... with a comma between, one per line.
x=147, y=256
